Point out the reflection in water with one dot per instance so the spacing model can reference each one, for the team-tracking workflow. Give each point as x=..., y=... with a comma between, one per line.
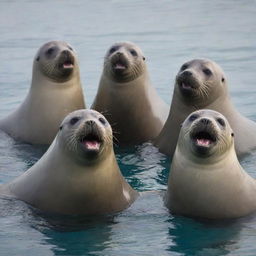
x=142, y=229
x=62, y=235
x=18, y=237
x=119, y=234
x=195, y=237
x=77, y=236
x=16, y=157
x=144, y=167
x=209, y=237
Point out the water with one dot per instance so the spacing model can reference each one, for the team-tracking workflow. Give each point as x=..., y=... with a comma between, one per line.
x=170, y=33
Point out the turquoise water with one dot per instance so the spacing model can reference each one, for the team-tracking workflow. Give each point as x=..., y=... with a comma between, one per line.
x=170, y=33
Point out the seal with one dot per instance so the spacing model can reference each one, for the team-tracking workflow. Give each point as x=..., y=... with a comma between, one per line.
x=206, y=179
x=201, y=83
x=78, y=174
x=55, y=91
x=126, y=96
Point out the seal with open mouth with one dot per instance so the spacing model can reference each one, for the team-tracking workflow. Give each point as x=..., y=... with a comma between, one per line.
x=206, y=179
x=79, y=173
x=55, y=91
x=201, y=83
x=126, y=96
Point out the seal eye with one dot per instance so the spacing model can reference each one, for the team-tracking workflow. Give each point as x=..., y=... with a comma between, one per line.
x=223, y=79
x=193, y=117
x=70, y=48
x=50, y=51
x=74, y=120
x=102, y=120
x=113, y=49
x=221, y=122
x=183, y=67
x=143, y=58
x=61, y=127
x=207, y=71
x=133, y=53
x=232, y=134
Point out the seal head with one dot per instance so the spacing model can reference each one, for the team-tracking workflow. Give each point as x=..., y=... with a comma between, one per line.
x=86, y=135
x=200, y=82
x=56, y=60
x=207, y=135
x=124, y=62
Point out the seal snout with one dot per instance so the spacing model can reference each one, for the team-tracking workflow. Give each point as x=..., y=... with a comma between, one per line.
x=205, y=121
x=204, y=138
x=91, y=137
x=204, y=134
x=187, y=82
x=119, y=62
x=67, y=60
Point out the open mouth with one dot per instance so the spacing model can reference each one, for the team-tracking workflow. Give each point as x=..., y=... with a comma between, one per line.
x=119, y=66
x=91, y=142
x=186, y=86
x=119, y=63
x=204, y=139
x=66, y=61
x=68, y=64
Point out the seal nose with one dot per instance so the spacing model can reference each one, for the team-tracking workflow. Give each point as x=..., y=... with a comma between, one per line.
x=205, y=121
x=89, y=122
x=187, y=73
x=66, y=53
x=119, y=53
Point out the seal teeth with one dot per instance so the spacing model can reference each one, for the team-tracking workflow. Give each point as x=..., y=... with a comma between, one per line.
x=68, y=64
x=92, y=145
x=204, y=138
x=185, y=86
x=91, y=141
x=203, y=142
x=120, y=66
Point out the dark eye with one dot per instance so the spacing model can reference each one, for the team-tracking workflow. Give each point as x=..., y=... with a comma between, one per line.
x=143, y=58
x=133, y=53
x=38, y=58
x=70, y=48
x=207, y=71
x=74, y=120
x=223, y=79
x=113, y=49
x=183, y=67
x=102, y=120
x=193, y=117
x=50, y=51
x=61, y=127
x=221, y=122
x=232, y=134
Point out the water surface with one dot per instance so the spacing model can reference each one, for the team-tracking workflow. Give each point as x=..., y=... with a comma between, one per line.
x=169, y=33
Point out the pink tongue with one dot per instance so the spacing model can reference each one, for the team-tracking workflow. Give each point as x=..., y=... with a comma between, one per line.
x=119, y=66
x=203, y=142
x=68, y=65
x=185, y=86
x=94, y=145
